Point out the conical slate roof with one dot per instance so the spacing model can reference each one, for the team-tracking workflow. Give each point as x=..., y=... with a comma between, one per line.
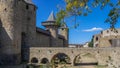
x=51, y=21
x=28, y=1
x=51, y=17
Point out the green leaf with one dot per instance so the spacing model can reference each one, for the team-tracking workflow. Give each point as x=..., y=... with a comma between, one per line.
x=111, y=4
x=111, y=13
x=85, y=14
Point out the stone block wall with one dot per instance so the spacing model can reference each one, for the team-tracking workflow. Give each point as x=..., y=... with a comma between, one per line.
x=105, y=38
x=109, y=57
x=16, y=17
x=42, y=40
x=10, y=31
x=60, y=43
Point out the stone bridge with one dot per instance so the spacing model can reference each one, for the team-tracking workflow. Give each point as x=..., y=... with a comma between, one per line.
x=101, y=56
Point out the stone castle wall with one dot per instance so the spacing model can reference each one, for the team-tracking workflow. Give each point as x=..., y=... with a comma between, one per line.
x=16, y=17
x=106, y=38
x=10, y=31
x=42, y=40
x=109, y=32
x=60, y=43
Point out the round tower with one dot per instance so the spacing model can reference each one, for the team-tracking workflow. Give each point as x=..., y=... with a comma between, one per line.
x=51, y=25
x=64, y=31
x=28, y=29
x=10, y=35
x=29, y=1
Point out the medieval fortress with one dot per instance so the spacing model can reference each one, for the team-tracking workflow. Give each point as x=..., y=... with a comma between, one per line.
x=21, y=41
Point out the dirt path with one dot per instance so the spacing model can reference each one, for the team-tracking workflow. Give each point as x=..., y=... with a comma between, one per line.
x=87, y=67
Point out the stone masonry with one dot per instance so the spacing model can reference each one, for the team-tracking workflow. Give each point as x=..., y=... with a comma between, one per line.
x=109, y=57
x=107, y=38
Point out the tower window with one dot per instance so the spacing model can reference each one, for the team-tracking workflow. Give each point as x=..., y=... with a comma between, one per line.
x=107, y=31
x=27, y=7
x=5, y=9
x=102, y=32
x=28, y=18
x=96, y=38
x=34, y=8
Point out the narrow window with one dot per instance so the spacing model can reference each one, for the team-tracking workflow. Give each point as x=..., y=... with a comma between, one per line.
x=27, y=7
x=107, y=31
x=5, y=9
x=96, y=38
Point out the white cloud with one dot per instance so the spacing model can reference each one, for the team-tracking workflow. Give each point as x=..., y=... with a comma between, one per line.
x=93, y=29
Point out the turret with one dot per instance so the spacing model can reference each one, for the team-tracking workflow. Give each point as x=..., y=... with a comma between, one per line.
x=51, y=26
x=64, y=31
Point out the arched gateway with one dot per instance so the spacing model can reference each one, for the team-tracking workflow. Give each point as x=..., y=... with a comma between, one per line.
x=85, y=59
x=44, y=61
x=61, y=58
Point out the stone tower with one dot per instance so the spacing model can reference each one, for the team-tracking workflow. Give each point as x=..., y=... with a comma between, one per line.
x=28, y=34
x=29, y=1
x=17, y=18
x=10, y=35
x=51, y=25
x=64, y=31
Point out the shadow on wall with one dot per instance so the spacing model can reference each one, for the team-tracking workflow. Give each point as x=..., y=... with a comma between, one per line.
x=5, y=56
x=24, y=48
x=0, y=35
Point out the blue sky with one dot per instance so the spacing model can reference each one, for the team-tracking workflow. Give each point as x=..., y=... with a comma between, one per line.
x=88, y=26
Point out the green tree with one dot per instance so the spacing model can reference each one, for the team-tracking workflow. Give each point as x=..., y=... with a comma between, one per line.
x=91, y=43
x=84, y=7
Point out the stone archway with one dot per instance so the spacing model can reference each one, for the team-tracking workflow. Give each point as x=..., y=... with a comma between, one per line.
x=34, y=60
x=44, y=61
x=85, y=60
x=60, y=58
